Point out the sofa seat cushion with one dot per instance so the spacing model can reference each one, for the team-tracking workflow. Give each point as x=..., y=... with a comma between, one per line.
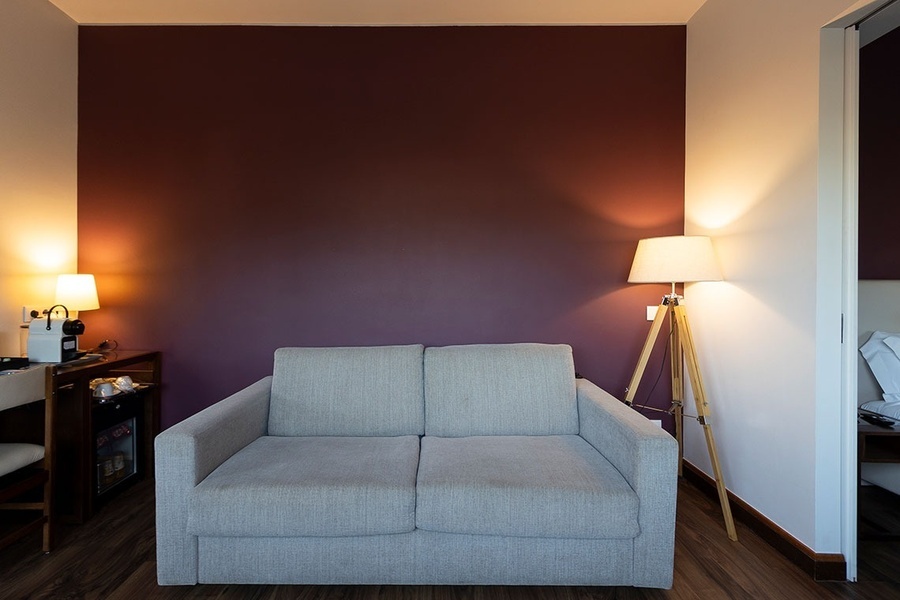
x=310, y=486
x=530, y=486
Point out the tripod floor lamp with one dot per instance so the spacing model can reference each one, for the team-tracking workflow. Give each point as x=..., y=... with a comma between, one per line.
x=679, y=259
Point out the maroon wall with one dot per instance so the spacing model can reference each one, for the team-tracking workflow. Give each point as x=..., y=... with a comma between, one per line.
x=879, y=151
x=246, y=188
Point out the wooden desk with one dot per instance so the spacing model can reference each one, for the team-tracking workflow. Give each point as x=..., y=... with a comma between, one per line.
x=79, y=488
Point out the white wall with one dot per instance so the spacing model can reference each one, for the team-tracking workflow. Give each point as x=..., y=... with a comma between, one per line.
x=38, y=157
x=769, y=342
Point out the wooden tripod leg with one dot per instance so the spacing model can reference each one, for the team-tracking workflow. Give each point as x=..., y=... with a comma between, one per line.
x=690, y=356
x=631, y=390
x=677, y=364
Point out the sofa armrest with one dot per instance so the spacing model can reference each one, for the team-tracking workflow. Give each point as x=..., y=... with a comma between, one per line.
x=647, y=457
x=185, y=454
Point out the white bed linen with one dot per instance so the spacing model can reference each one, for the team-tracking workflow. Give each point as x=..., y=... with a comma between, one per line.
x=883, y=360
x=888, y=409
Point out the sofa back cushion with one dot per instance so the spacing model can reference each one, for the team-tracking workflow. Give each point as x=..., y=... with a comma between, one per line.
x=501, y=389
x=347, y=392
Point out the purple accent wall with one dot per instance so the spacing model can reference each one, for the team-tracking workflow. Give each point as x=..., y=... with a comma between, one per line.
x=246, y=188
x=879, y=150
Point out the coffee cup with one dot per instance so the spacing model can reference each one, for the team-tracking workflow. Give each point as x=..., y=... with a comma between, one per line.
x=105, y=390
x=124, y=383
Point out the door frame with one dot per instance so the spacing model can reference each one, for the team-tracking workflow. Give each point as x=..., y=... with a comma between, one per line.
x=839, y=199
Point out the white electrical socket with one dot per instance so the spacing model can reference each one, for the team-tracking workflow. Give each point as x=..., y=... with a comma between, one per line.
x=651, y=312
x=26, y=313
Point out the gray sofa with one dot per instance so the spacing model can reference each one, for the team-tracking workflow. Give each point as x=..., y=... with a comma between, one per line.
x=482, y=464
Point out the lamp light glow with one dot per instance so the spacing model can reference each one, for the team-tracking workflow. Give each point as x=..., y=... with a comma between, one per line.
x=77, y=292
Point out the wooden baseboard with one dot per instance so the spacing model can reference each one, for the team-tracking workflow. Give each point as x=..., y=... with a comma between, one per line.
x=821, y=567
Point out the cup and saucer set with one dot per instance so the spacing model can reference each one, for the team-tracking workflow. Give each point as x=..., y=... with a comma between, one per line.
x=105, y=389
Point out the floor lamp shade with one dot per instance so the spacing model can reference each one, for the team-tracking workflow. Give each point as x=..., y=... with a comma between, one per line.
x=77, y=292
x=675, y=259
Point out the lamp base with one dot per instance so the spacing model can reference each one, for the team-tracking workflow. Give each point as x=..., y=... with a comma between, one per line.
x=683, y=353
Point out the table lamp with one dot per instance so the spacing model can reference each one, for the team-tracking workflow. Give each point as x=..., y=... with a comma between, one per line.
x=77, y=292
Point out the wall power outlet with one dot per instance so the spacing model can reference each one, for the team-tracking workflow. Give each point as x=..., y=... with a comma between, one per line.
x=28, y=309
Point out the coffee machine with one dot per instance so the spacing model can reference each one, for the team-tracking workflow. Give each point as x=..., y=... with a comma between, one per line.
x=53, y=340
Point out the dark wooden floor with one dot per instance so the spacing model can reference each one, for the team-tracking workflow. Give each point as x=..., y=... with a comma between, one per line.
x=879, y=529
x=112, y=557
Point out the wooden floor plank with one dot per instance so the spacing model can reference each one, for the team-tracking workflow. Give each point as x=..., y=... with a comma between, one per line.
x=112, y=557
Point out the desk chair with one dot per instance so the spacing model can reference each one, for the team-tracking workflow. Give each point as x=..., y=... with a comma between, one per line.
x=25, y=468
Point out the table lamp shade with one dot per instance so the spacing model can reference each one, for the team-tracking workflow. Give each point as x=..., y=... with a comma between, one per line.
x=675, y=259
x=77, y=292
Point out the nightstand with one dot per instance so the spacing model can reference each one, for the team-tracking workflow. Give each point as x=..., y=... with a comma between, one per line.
x=875, y=445
x=878, y=444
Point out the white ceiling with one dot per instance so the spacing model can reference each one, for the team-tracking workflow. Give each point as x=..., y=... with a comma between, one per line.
x=378, y=12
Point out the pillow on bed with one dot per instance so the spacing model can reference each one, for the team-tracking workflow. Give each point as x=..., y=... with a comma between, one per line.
x=882, y=354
